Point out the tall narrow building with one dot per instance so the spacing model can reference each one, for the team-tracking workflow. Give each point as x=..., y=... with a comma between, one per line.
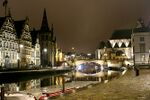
x=8, y=43
x=24, y=42
x=47, y=43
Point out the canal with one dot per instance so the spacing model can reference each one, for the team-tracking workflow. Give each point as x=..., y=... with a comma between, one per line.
x=47, y=84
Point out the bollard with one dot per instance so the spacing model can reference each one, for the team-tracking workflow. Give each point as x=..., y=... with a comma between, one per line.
x=63, y=84
x=136, y=71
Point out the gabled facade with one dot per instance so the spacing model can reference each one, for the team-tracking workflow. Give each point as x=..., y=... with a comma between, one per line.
x=121, y=41
x=47, y=43
x=8, y=43
x=24, y=42
x=118, y=47
x=141, y=44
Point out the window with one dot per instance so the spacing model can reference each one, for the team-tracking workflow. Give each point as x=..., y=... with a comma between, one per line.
x=37, y=54
x=142, y=47
x=141, y=39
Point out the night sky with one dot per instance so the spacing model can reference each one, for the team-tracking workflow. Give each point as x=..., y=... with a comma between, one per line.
x=81, y=24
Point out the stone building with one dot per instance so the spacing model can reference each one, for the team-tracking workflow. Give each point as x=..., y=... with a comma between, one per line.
x=35, y=58
x=121, y=43
x=141, y=43
x=47, y=43
x=117, y=47
x=24, y=41
x=8, y=43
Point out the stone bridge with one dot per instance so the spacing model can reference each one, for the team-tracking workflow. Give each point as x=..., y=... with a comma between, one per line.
x=78, y=62
x=112, y=63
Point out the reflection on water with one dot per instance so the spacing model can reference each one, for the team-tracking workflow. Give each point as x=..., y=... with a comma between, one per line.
x=84, y=73
x=32, y=84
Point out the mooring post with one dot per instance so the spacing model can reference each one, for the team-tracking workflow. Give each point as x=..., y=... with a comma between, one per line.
x=2, y=92
x=63, y=84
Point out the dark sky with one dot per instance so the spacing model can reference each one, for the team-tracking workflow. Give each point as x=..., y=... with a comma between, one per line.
x=81, y=23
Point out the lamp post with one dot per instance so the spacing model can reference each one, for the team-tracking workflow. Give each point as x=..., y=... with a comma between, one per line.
x=19, y=55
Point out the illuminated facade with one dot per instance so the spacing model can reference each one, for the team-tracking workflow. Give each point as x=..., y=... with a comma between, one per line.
x=117, y=47
x=141, y=44
x=121, y=43
x=59, y=55
x=24, y=42
x=8, y=43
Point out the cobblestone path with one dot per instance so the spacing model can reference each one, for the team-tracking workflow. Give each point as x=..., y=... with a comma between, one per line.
x=127, y=87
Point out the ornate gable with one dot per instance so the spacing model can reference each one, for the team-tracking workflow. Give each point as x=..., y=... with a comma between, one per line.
x=26, y=31
x=8, y=29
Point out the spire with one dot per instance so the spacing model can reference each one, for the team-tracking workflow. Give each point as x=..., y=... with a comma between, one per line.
x=5, y=2
x=44, y=26
x=9, y=12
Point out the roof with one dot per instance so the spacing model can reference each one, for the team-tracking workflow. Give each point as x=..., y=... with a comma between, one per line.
x=122, y=34
x=34, y=35
x=19, y=26
x=141, y=29
x=2, y=20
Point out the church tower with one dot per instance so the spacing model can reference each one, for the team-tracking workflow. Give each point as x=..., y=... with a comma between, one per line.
x=44, y=26
x=46, y=43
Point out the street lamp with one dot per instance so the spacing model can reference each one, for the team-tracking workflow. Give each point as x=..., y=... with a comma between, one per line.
x=45, y=58
x=45, y=50
x=19, y=57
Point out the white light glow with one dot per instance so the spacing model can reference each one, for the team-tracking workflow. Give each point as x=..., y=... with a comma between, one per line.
x=21, y=46
x=45, y=50
x=89, y=54
x=73, y=55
